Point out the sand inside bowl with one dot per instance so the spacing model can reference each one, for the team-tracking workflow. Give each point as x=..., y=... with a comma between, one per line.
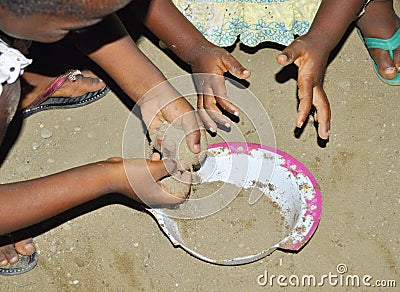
x=238, y=229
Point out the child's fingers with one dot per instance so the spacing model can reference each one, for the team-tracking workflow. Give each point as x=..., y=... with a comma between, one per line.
x=219, y=89
x=235, y=68
x=227, y=105
x=176, y=197
x=161, y=168
x=155, y=156
x=306, y=99
x=283, y=59
x=203, y=98
x=216, y=115
x=115, y=159
x=322, y=106
x=207, y=120
x=169, y=148
x=144, y=176
x=191, y=126
x=182, y=114
x=210, y=105
x=167, y=199
x=289, y=54
x=210, y=112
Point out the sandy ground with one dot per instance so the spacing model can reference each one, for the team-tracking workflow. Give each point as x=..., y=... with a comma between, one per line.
x=113, y=245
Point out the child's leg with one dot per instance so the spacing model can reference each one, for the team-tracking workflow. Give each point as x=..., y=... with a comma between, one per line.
x=8, y=104
x=381, y=21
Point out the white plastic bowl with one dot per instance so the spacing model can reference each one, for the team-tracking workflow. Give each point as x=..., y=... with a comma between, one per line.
x=295, y=191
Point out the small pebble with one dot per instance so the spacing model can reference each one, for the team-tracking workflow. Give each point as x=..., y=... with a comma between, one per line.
x=50, y=160
x=22, y=168
x=90, y=134
x=35, y=145
x=80, y=262
x=74, y=282
x=45, y=133
x=146, y=260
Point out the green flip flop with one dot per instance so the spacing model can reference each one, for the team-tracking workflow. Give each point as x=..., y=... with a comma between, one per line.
x=384, y=44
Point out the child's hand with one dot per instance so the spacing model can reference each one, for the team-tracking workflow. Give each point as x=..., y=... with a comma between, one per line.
x=141, y=180
x=163, y=103
x=308, y=54
x=214, y=61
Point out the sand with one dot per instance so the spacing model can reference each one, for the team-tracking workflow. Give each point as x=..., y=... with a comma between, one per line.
x=237, y=229
x=112, y=245
x=177, y=148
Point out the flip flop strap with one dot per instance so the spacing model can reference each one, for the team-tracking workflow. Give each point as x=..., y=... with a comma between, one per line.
x=384, y=44
x=54, y=86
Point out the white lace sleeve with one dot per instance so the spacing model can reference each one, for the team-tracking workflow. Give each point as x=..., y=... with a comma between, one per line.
x=12, y=64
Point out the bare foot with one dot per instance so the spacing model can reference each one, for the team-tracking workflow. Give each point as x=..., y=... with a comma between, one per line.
x=9, y=253
x=87, y=82
x=380, y=21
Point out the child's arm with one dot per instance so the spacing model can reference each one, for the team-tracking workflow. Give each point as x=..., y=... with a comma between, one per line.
x=26, y=203
x=168, y=24
x=310, y=53
x=110, y=46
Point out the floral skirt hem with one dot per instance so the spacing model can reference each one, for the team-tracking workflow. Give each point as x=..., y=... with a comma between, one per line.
x=253, y=21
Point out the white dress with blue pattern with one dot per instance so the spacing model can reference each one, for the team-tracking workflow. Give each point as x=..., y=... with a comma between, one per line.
x=253, y=21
